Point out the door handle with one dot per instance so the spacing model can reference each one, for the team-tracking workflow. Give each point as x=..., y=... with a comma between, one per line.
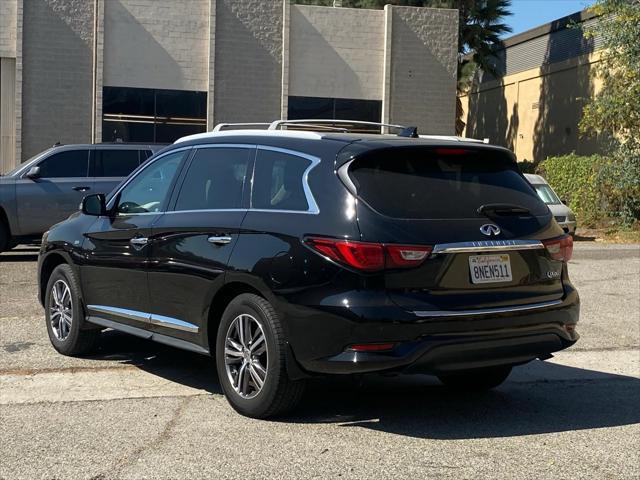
x=139, y=242
x=219, y=240
x=81, y=189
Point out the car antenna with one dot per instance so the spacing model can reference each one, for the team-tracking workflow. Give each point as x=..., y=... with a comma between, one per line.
x=410, y=132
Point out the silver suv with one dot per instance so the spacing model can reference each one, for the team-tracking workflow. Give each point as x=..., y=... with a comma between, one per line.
x=561, y=212
x=49, y=187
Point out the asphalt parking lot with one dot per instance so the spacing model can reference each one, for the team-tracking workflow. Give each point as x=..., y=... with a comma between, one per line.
x=139, y=410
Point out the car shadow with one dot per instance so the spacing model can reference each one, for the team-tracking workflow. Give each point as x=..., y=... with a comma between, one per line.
x=18, y=257
x=537, y=398
x=187, y=368
x=547, y=398
x=20, y=254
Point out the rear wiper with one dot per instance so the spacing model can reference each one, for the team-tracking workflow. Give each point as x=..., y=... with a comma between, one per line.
x=502, y=209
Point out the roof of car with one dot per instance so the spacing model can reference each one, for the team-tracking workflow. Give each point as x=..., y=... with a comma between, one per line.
x=111, y=145
x=373, y=140
x=532, y=178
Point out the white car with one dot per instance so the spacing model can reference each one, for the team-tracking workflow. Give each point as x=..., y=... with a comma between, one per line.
x=562, y=213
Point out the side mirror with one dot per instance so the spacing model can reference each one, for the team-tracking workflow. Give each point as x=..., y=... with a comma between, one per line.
x=33, y=173
x=564, y=200
x=94, y=205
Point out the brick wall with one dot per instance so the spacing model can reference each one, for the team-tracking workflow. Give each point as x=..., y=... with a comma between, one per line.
x=336, y=52
x=8, y=28
x=57, y=83
x=248, y=60
x=423, y=63
x=156, y=44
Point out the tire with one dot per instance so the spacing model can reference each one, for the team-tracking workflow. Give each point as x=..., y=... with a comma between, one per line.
x=278, y=393
x=476, y=380
x=5, y=237
x=67, y=339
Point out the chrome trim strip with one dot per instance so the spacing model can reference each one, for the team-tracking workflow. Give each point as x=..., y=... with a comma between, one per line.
x=311, y=201
x=487, y=245
x=121, y=312
x=208, y=210
x=150, y=318
x=485, y=311
x=174, y=323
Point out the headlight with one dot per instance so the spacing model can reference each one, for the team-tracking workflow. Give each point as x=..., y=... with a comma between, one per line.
x=571, y=217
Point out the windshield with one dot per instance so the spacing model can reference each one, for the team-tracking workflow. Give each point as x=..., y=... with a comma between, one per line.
x=25, y=164
x=546, y=194
x=440, y=183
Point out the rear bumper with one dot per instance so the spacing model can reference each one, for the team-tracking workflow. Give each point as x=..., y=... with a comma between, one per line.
x=435, y=345
x=449, y=353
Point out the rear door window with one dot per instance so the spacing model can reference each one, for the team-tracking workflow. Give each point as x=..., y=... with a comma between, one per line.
x=439, y=183
x=115, y=163
x=278, y=182
x=68, y=164
x=215, y=180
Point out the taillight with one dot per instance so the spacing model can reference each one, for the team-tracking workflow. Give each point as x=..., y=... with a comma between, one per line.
x=400, y=256
x=369, y=256
x=560, y=248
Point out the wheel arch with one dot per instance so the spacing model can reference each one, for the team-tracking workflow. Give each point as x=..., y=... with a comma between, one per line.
x=219, y=303
x=48, y=265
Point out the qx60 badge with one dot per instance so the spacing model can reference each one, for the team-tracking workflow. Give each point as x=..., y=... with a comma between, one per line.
x=490, y=230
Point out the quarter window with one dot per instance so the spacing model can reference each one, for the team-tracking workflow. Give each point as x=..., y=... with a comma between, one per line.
x=73, y=163
x=215, y=179
x=147, y=192
x=277, y=183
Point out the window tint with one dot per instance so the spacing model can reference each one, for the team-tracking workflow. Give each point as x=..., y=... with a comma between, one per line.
x=148, y=191
x=336, y=108
x=215, y=179
x=151, y=115
x=431, y=183
x=277, y=183
x=115, y=163
x=73, y=163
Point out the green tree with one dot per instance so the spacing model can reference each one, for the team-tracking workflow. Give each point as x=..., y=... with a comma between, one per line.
x=480, y=27
x=615, y=110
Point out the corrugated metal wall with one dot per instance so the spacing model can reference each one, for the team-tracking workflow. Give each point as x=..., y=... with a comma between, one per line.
x=555, y=47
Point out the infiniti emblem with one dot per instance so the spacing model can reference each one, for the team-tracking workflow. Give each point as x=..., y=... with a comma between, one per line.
x=490, y=230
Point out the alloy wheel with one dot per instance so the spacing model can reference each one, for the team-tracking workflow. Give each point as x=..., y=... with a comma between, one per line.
x=60, y=309
x=246, y=356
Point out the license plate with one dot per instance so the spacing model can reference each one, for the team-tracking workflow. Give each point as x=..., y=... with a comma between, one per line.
x=490, y=268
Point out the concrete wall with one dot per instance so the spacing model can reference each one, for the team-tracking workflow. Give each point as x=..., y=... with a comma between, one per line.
x=8, y=28
x=536, y=112
x=336, y=52
x=248, y=60
x=57, y=79
x=7, y=113
x=423, y=65
x=156, y=44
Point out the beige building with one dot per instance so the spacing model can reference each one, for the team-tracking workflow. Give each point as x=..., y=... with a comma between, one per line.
x=536, y=107
x=76, y=71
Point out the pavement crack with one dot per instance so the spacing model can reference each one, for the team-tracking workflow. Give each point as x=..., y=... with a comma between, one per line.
x=156, y=442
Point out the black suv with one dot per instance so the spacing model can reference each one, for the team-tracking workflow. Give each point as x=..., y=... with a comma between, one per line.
x=287, y=254
x=48, y=188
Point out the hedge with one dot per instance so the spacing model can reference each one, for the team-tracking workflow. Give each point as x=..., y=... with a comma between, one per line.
x=596, y=187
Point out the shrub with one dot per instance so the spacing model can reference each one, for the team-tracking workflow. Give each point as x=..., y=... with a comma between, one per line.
x=598, y=188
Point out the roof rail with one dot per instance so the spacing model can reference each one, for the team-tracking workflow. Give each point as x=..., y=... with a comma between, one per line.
x=341, y=125
x=222, y=126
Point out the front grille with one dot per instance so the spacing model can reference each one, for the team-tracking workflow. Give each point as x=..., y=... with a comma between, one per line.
x=560, y=219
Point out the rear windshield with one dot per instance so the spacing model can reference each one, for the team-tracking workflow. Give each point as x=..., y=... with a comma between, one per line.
x=440, y=183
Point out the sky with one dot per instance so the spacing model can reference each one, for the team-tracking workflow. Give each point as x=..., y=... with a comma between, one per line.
x=529, y=14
